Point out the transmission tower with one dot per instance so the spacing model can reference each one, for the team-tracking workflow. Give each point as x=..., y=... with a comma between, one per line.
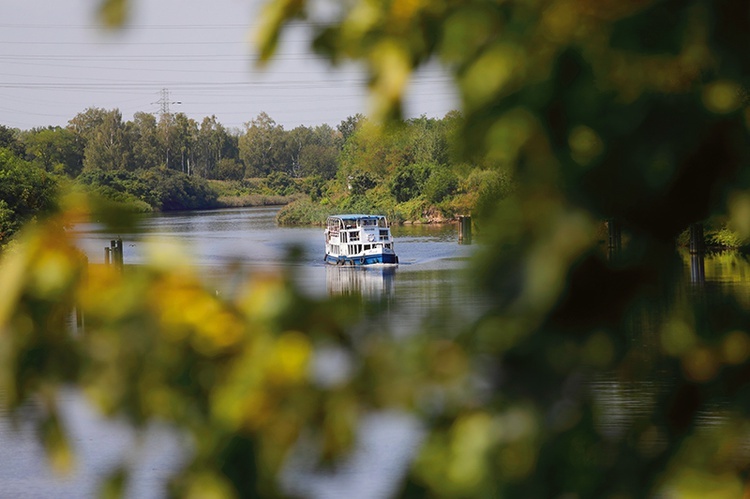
x=164, y=103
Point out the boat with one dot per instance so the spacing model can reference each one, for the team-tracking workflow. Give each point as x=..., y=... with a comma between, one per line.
x=359, y=240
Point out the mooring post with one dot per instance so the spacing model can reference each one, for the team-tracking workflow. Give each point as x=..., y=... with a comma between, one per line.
x=464, y=229
x=615, y=235
x=697, y=250
x=120, y=259
x=696, y=239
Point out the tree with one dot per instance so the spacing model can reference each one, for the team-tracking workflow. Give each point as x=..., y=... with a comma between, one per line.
x=296, y=141
x=26, y=192
x=350, y=125
x=9, y=139
x=54, y=149
x=429, y=141
x=184, y=133
x=262, y=146
x=229, y=169
x=144, y=136
x=107, y=146
x=213, y=144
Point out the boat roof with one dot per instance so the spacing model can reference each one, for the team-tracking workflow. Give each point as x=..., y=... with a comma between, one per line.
x=352, y=216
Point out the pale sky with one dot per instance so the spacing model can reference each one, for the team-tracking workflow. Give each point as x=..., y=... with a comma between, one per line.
x=55, y=62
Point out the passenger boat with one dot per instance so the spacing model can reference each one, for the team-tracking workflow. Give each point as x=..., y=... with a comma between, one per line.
x=359, y=240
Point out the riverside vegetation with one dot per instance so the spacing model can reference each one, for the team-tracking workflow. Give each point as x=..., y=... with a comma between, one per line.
x=408, y=170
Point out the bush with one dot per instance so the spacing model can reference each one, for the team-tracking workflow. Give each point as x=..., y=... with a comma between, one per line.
x=360, y=183
x=281, y=183
x=229, y=169
x=441, y=184
x=302, y=212
x=483, y=187
x=162, y=189
x=25, y=191
x=408, y=181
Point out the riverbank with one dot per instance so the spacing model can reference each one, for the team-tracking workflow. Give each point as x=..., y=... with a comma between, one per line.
x=253, y=200
x=305, y=212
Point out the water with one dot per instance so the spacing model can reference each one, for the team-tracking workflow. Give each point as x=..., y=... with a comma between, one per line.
x=245, y=241
x=409, y=296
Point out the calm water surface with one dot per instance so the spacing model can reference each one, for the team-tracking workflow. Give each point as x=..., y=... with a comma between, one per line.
x=225, y=245
x=429, y=278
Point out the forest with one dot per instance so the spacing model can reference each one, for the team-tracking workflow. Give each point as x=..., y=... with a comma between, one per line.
x=409, y=170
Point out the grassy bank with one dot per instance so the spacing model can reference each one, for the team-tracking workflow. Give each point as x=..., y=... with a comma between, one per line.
x=250, y=200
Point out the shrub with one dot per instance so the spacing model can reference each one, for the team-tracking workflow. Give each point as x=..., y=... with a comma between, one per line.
x=229, y=169
x=408, y=181
x=302, y=212
x=281, y=183
x=360, y=183
x=441, y=184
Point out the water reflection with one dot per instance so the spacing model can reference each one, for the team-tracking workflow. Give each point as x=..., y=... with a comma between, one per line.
x=716, y=286
x=697, y=268
x=367, y=282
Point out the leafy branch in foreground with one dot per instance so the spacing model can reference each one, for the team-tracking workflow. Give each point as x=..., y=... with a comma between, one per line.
x=597, y=121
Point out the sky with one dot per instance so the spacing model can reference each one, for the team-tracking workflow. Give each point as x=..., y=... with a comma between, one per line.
x=195, y=55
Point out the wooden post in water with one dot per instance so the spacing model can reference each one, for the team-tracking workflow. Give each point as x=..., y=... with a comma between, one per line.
x=696, y=239
x=120, y=259
x=615, y=236
x=113, y=254
x=697, y=249
x=464, y=229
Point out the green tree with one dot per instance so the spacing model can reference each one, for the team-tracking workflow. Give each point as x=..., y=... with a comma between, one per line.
x=297, y=140
x=144, y=135
x=262, y=147
x=9, y=139
x=107, y=145
x=408, y=181
x=213, y=144
x=54, y=149
x=26, y=192
x=312, y=151
x=440, y=184
x=229, y=169
x=184, y=134
x=350, y=125
x=428, y=141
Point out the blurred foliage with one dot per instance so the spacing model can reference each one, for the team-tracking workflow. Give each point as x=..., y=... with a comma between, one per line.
x=632, y=110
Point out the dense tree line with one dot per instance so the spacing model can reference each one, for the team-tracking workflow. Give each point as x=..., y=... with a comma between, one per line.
x=406, y=169
x=99, y=139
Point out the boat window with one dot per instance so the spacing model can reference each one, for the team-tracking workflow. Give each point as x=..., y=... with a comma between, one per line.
x=382, y=222
x=354, y=236
x=343, y=237
x=387, y=246
x=367, y=247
